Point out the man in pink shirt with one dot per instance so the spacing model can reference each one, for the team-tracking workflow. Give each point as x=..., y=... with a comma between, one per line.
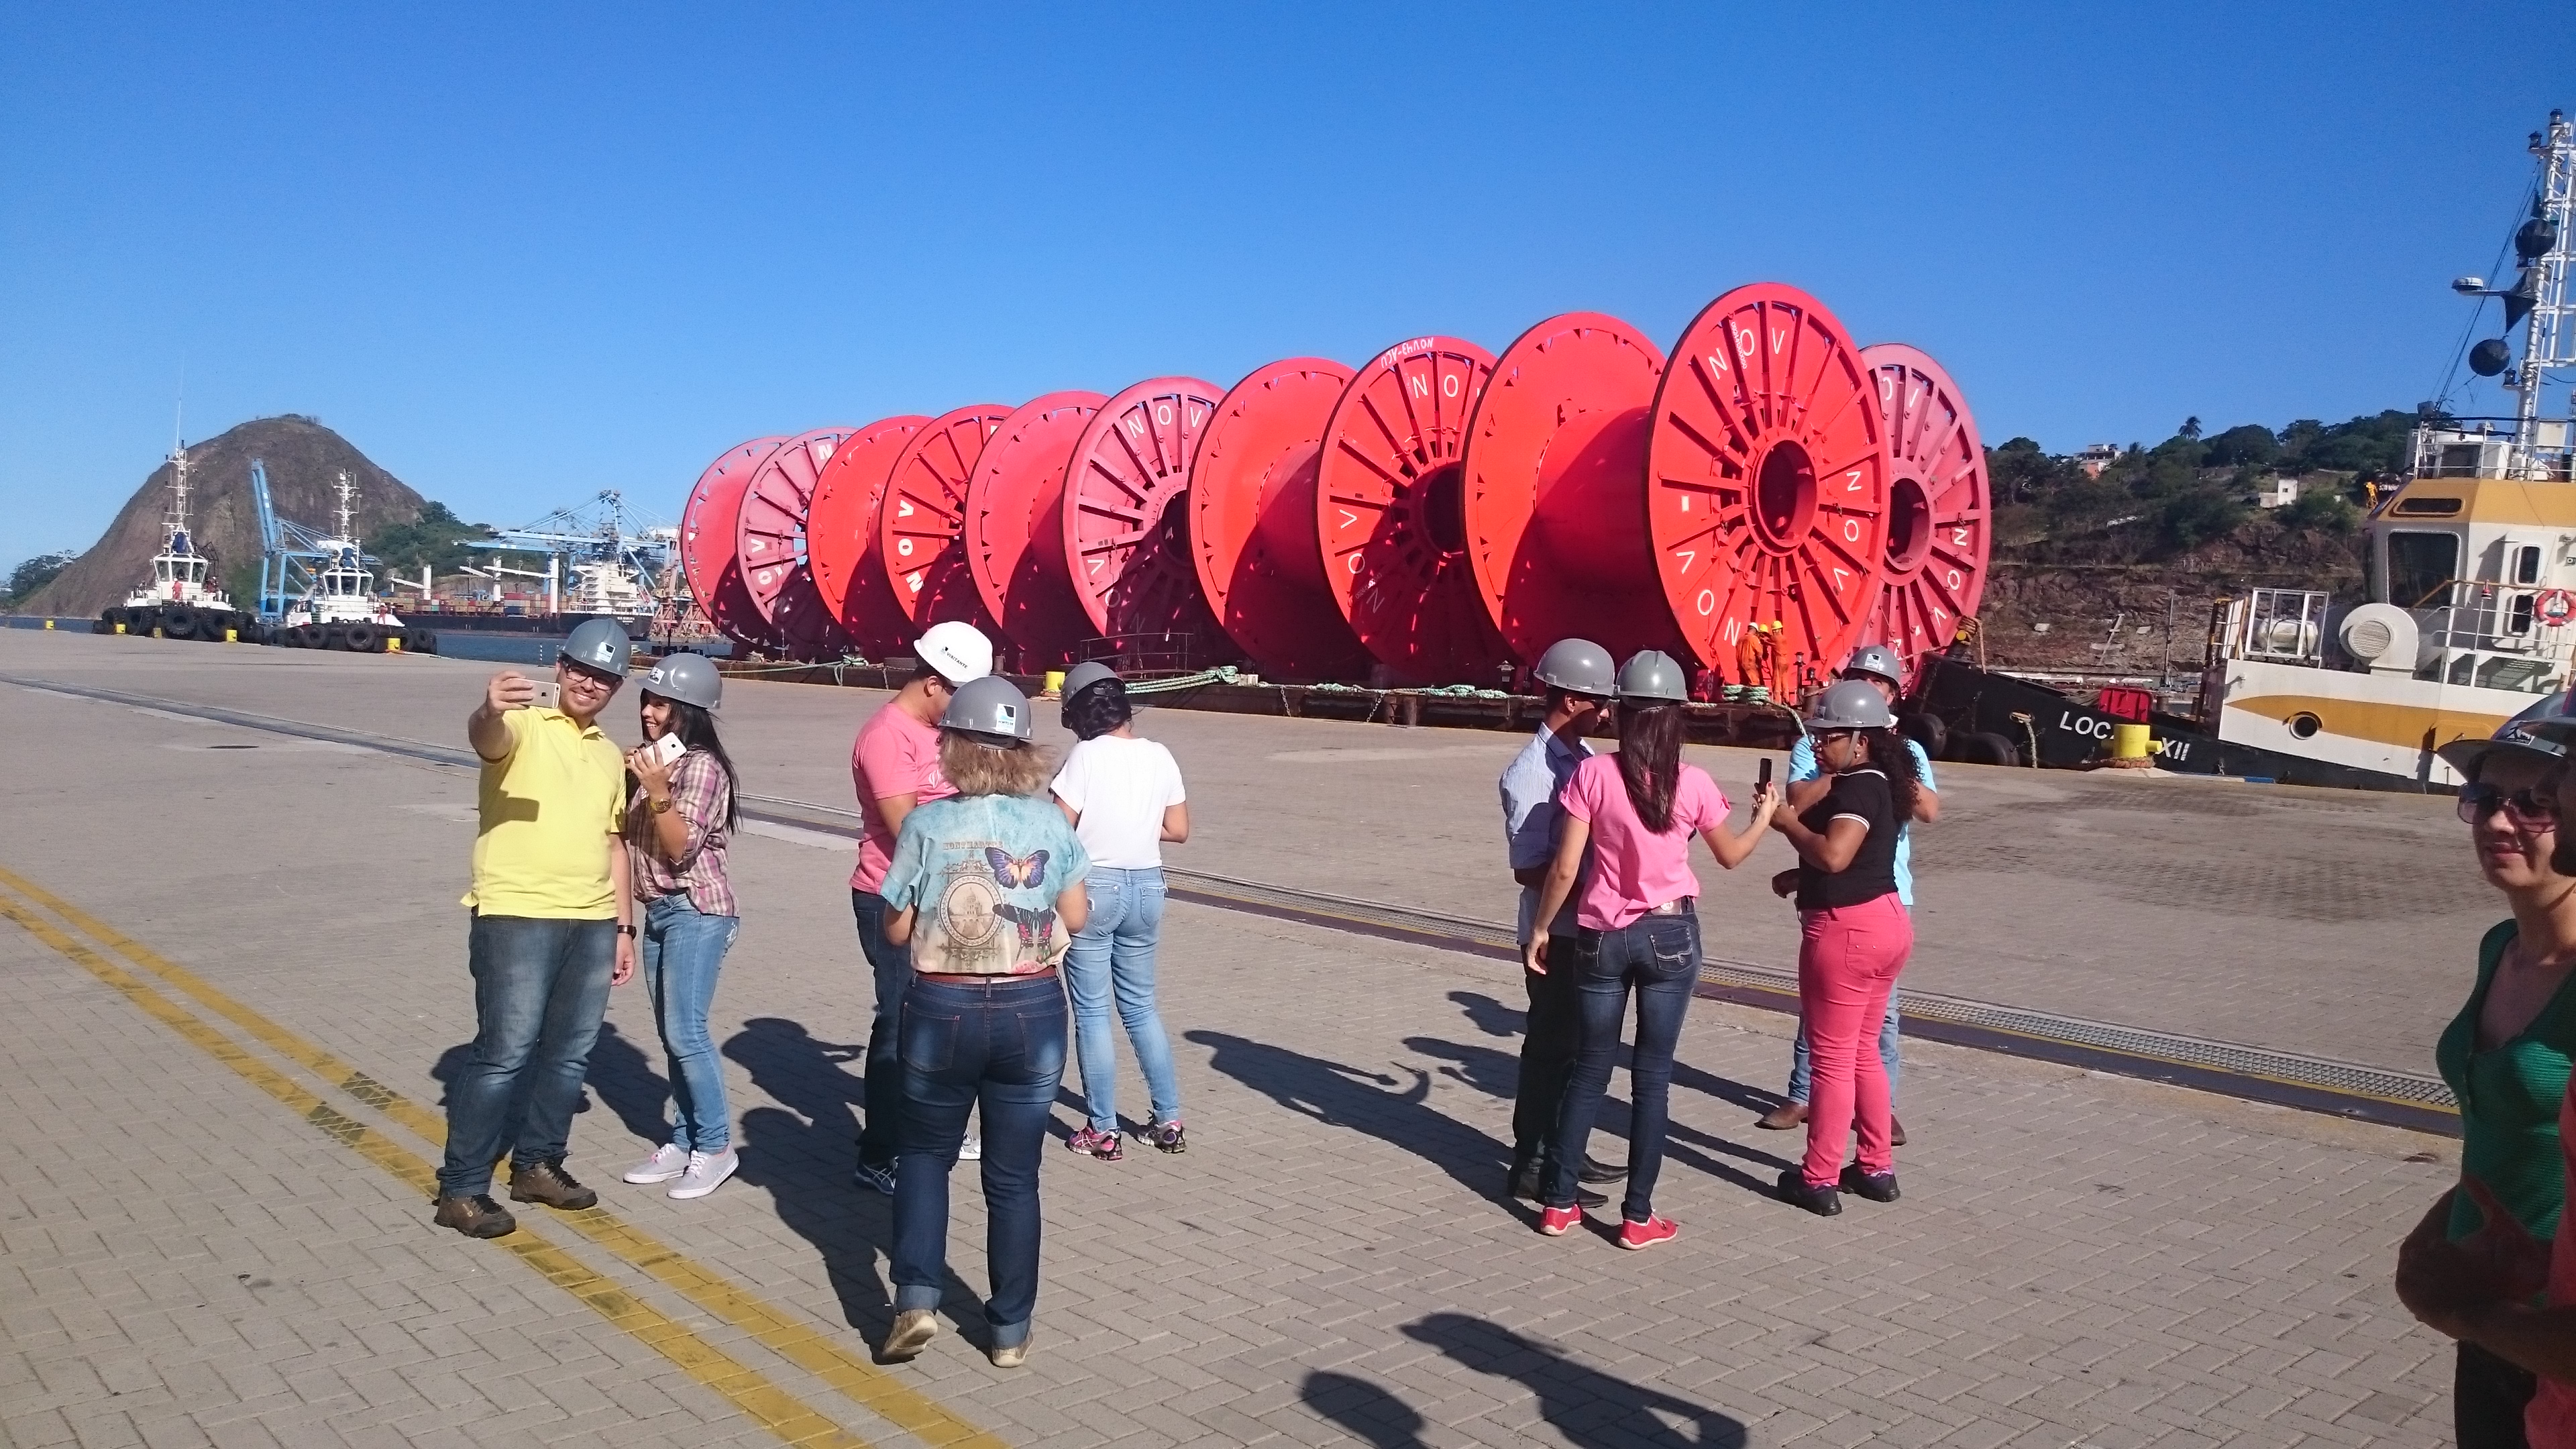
x=895, y=764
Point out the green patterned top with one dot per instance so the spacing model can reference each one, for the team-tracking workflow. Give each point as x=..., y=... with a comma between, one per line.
x=2509, y=1096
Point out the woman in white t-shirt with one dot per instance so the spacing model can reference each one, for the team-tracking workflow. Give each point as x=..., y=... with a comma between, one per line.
x=1124, y=798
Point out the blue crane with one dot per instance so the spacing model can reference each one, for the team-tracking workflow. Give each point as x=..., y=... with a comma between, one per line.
x=289, y=552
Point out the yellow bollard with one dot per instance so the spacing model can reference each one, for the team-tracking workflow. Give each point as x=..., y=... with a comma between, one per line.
x=393, y=644
x=232, y=636
x=157, y=634
x=1055, y=681
x=120, y=628
x=2130, y=742
x=49, y=623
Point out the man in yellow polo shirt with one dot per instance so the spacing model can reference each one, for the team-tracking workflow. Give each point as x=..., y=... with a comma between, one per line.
x=552, y=931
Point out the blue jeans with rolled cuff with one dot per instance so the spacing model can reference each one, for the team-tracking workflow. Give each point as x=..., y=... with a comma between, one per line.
x=998, y=1044
x=1657, y=956
x=540, y=988
x=1112, y=959
x=680, y=952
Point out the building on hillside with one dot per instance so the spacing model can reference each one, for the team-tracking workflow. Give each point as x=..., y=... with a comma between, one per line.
x=2277, y=492
x=2096, y=457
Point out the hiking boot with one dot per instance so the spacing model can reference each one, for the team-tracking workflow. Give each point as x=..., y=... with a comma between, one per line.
x=913, y=1329
x=1876, y=1186
x=548, y=1183
x=1824, y=1202
x=1783, y=1117
x=1166, y=1137
x=707, y=1172
x=1009, y=1355
x=1096, y=1143
x=476, y=1217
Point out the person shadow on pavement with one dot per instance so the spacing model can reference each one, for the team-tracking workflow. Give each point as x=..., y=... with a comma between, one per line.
x=1590, y=1408
x=1377, y=1103
x=799, y=1152
x=1497, y=1072
x=1370, y=1413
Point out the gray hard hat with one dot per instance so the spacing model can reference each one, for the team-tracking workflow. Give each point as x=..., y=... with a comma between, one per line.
x=1084, y=675
x=1577, y=666
x=2539, y=731
x=1653, y=677
x=1876, y=659
x=688, y=678
x=991, y=706
x=1850, y=704
x=600, y=644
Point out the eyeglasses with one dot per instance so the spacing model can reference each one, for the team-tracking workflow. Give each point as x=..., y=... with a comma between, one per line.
x=2526, y=807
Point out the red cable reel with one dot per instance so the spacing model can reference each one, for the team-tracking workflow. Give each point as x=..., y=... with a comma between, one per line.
x=711, y=544
x=1556, y=490
x=924, y=509
x=1391, y=513
x=1940, y=507
x=1767, y=478
x=1126, y=524
x=841, y=536
x=772, y=533
x=1253, y=520
x=1014, y=536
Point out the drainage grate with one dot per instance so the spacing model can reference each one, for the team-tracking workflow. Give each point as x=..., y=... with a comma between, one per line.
x=2258, y=1073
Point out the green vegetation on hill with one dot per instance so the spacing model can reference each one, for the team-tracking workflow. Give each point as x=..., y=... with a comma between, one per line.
x=437, y=538
x=2192, y=489
x=31, y=575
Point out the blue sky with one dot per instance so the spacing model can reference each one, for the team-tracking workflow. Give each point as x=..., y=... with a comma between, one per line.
x=518, y=254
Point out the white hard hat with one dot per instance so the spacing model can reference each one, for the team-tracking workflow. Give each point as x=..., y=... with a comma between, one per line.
x=959, y=651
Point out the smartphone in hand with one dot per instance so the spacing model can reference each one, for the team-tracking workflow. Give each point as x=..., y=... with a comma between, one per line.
x=666, y=749
x=1762, y=775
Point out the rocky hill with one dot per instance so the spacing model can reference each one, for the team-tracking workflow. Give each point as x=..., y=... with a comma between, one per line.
x=303, y=460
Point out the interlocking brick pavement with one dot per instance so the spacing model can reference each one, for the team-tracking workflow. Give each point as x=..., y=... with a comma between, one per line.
x=2078, y=1258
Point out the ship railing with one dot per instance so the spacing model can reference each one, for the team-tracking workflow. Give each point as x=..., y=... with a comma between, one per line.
x=2285, y=626
x=2490, y=448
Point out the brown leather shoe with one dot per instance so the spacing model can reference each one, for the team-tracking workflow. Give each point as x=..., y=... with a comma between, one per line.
x=1895, y=1133
x=548, y=1183
x=476, y=1217
x=1783, y=1117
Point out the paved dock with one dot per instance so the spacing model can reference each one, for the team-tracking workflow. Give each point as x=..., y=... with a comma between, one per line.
x=236, y=966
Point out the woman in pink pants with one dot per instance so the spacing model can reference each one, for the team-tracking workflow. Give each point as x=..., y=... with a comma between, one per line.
x=1856, y=937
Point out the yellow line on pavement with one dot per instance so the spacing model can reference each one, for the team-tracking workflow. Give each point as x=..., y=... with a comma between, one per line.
x=773, y=1408
x=781, y=1331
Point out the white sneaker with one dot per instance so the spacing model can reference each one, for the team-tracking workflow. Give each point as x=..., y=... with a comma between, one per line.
x=971, y=1150
x=707, y=1172
x=667, y=1162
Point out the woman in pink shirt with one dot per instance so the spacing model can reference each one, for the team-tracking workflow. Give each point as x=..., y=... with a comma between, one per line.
x=1634, y=813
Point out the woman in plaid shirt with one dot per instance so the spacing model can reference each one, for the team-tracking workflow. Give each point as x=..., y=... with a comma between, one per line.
x=677, y=824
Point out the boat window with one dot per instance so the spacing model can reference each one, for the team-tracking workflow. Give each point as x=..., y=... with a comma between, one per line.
x=2426, y=507
x=2526, y=564
x=2419, y=564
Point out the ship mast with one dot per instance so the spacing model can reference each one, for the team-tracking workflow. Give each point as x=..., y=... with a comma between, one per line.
x=2546, y=243
x=174, y=523
x=348, y=508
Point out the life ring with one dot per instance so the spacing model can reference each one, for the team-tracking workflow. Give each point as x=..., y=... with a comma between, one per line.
x=2554, y=606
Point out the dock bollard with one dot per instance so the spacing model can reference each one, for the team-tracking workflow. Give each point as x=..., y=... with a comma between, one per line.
x=393, y=644
x=120, y=628
x=2130, y=742
x=1055, y=681
x=49, y=623
x=232, y=636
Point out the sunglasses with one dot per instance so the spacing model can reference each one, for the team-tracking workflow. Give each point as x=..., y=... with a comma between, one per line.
x=2526, y=807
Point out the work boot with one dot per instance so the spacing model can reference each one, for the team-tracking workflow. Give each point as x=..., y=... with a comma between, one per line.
x=1783, y=1117
x=1528, y=1182
x=476, y=1217
x=548, y=1183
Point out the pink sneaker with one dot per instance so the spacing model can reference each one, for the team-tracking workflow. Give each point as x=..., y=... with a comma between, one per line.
x=1556, y=1220
x=1648, y=1233
x=1103, y=1145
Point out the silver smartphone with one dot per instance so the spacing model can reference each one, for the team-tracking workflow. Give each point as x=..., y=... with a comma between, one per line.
x=666, y=749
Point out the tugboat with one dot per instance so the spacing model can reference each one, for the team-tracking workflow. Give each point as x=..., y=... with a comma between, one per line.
x=179, y=602
x=2470, y=568
x=341, y=610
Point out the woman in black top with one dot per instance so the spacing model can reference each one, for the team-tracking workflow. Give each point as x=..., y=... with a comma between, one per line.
x=1855, y=935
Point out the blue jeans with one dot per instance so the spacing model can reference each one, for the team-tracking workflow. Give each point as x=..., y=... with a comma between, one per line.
x=540, y=988
x=999, y=1044
x=681, y=953
x=892, y=965
x=1802, y=1066
x=1659, y=956
x=1114, y=956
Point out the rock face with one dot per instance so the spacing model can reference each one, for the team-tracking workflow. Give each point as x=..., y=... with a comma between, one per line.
x=303, y=460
